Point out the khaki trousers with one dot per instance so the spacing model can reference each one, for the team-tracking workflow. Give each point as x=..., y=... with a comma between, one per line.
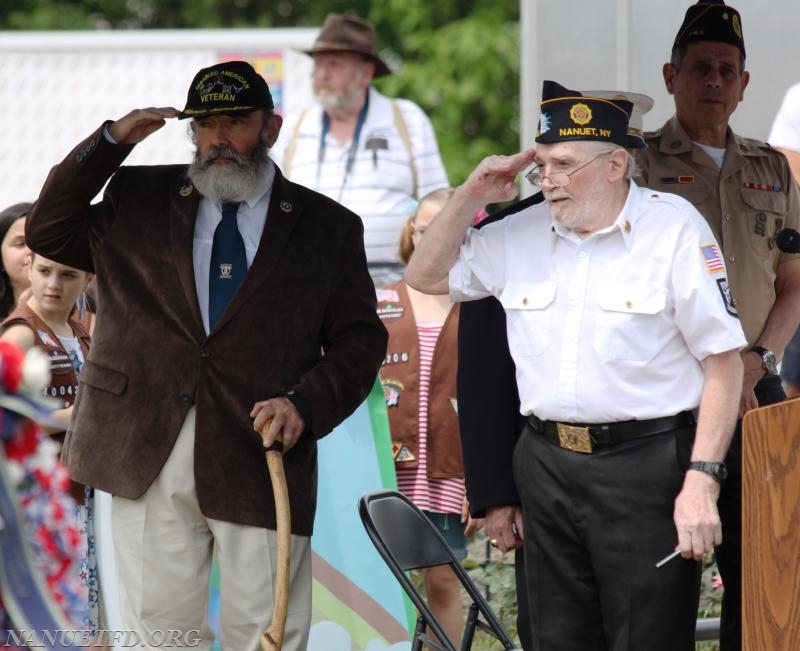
x=163, y=546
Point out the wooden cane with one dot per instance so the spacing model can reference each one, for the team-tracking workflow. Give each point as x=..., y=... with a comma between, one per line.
x=272, y=637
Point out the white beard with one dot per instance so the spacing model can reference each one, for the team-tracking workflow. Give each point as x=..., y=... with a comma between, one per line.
x=347, y=100
x=236, y=181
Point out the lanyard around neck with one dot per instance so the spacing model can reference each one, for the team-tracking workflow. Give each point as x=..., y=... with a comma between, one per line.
x=351, y=152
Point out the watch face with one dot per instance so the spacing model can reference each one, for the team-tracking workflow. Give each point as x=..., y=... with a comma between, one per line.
x=770, y=362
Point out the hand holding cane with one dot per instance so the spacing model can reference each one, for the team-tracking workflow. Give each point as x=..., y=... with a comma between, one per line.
x=272, y=637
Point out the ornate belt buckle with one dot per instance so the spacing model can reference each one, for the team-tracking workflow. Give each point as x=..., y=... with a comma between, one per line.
x=574, y=438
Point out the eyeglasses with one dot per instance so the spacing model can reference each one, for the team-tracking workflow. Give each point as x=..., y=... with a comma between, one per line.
x=558, y=179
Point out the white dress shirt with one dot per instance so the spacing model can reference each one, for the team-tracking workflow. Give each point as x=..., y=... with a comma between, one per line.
x=250, y=217
x=380, y=187
x=612, y=327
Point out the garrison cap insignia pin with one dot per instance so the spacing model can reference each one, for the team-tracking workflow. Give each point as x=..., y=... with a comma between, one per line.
x=186, y=190
x=580, y=114
x=737, y=25
x=286, y=206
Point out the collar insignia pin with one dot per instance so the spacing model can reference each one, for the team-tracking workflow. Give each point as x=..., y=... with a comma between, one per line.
x=286, y=206
x=186, y=190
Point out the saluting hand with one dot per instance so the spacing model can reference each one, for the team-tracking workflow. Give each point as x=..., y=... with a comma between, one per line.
x=140, y=123
x=494, y=180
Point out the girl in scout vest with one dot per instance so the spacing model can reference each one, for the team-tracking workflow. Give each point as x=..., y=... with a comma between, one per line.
x=45, y=321
x=419, y=383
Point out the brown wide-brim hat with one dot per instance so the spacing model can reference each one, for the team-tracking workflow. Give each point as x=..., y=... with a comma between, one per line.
x=341, y=33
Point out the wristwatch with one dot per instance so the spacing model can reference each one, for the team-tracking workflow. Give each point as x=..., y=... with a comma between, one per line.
x=716, y=469
x=768, y=360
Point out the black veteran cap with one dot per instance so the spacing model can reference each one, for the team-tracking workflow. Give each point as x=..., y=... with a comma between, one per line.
x=569, y=115
x=711, y=20
x=226, y=88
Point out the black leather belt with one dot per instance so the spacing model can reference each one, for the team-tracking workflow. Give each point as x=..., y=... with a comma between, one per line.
x=583, y=437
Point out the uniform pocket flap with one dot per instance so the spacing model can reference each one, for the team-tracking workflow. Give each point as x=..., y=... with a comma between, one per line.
x=528, y=296
x=103, y=378
x=633, y=299
x=764, y=200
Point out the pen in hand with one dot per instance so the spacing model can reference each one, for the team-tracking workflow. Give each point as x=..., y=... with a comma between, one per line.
x=668, y=558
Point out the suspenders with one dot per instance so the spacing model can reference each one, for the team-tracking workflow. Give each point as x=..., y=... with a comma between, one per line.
x=399, y=124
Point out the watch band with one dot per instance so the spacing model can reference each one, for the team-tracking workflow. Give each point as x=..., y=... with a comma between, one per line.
x=769, y=362
x=716, y=469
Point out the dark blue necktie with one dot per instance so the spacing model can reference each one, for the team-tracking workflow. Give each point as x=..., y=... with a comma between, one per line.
x=228, y=263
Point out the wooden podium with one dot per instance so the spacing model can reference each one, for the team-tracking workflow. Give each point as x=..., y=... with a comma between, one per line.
x=771, y=528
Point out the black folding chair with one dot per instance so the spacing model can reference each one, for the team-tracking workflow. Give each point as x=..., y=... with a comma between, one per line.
x=407, y=540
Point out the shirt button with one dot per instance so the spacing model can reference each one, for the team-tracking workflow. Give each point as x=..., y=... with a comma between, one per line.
x=727, y=218
x=185, y=397
x=582, y=254
x=731, y=258
x=525, y=301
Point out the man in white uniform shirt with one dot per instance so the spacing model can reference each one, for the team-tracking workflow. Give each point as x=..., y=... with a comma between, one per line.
x=376, y=156
x=620, y=324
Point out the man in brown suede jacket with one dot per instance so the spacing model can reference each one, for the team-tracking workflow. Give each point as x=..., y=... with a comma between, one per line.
x=229, y=299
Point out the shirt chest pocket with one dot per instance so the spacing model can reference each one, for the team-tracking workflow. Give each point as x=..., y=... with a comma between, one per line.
x=529, y=315
x=764, y=215
x=630, y=322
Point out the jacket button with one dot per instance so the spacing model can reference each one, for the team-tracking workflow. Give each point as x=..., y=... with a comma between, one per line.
x=204, y=352
x=185, y=397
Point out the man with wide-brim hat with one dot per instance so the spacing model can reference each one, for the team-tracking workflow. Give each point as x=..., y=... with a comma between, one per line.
x=373, y=154
x=341, y=33
x=219, y=283
x=619, y=330
x=746, y=192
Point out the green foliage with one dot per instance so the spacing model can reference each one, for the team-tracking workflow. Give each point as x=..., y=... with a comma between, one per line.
x=461, y=64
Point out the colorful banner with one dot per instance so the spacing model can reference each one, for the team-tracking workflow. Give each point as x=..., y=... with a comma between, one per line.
x=268, y=64
x=357, y=604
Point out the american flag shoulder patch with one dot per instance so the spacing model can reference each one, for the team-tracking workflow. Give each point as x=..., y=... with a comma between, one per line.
x=713, y=259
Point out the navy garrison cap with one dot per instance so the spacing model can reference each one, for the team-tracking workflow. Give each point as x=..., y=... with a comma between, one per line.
x=711, y=20
x=570, y=115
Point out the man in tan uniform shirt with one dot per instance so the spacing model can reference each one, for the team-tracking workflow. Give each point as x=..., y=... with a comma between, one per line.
x=746, y=192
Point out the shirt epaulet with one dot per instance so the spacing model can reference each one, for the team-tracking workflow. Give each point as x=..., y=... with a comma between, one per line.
x=513, y=209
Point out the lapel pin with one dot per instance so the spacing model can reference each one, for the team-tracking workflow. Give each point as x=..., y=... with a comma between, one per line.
x=286, y=206
x=186, y=190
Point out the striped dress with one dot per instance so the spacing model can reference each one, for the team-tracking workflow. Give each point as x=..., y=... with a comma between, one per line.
x=429, y=494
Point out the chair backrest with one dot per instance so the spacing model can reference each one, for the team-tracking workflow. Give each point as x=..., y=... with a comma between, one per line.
x=407, y=540
x=406, y=532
